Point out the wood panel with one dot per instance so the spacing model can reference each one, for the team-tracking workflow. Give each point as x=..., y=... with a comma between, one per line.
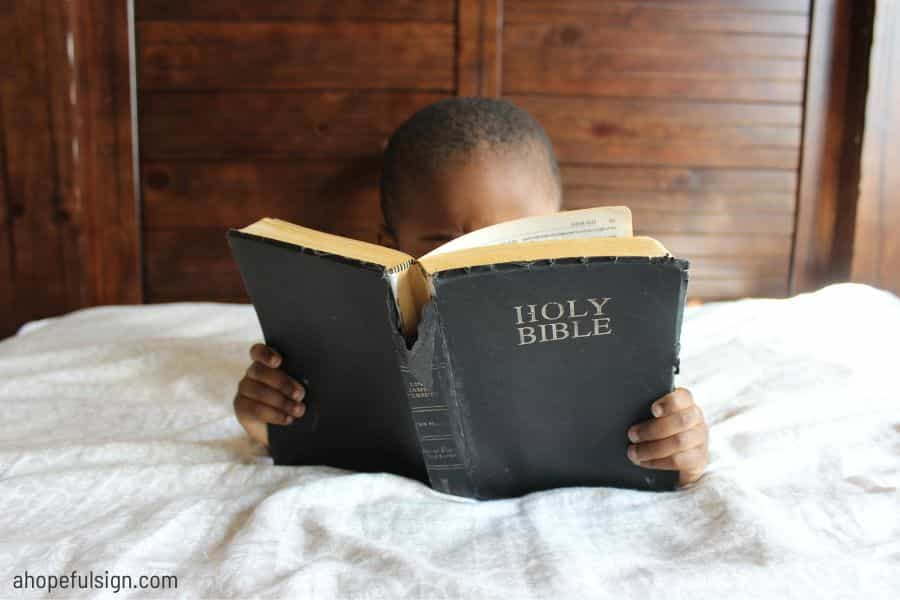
x=336, y=55
x=876, y=252
x=702, y=74
x=310, y=10
x=722, y=245
x=10, y=319
x=563, y=32
x=740, y=223
x=635, y=132
x=41, y=271
x=276, y=109
x=679, y=179
x=696, y=6
x=689, y=111
x=640, y=16
x=105, y=171
x=191, y=264
x=635, y=50
x=836, y=88
x=256, y=124
x=70, y=235
x=702, y=202
x=479, y=47
x=335, y=196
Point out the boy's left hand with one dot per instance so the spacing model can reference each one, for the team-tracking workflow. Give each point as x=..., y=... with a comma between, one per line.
x=677, y=438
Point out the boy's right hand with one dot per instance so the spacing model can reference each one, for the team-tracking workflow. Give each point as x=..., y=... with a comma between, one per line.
x=267, y=394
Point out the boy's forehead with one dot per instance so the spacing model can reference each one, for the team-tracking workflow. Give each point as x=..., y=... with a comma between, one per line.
x=481, y=189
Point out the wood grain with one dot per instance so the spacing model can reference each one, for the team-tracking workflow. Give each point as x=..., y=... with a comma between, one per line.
x=721, y=289
x=327, y=195
x=9, y=320
x=736, y=223
x=309, y=10
x=479, y=47
x=105, y=170
x=689, y=111
x=723, y=245
x=876, y=251
x=834, y=110
x=700, y=202
x=695, y=6
x=678, y=179
x=669, y=133
x=704, y=73
x=41, y=276
x=255, y=124
x=666, y=16
x=582, y=34
x=337, y=55
x=667, y=87
x=677, y=50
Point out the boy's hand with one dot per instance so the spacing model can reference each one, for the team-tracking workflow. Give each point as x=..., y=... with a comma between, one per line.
x=267, y=394
x=677, y=438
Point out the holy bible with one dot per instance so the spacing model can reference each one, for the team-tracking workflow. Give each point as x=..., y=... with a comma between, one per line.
x=510, y=360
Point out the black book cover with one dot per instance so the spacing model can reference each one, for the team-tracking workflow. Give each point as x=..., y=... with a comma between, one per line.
x=523, y=377
x=331, y=320
x=548, y=365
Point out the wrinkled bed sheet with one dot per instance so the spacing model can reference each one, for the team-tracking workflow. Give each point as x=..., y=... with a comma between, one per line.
x=120, y=454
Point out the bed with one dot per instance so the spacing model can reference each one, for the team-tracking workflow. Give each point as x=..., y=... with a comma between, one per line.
x=120, y=455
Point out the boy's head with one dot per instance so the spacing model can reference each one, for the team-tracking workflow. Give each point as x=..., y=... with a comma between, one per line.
x=461, y=164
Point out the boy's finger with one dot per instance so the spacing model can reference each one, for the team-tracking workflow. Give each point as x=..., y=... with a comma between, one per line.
x=265, y=355
x=278, y=379
x=263, y=412
x=669, y=446
x=270, y=396
x=677, y=400
x=691, y=460
x=663, y=427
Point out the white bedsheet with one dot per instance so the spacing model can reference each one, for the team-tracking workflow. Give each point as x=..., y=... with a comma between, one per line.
x=120, y=455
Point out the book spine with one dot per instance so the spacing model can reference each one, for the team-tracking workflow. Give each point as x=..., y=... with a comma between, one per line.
x=429, y=386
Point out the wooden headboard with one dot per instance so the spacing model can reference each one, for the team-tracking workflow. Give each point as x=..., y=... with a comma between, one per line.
x=688, y=112
x=720, y=123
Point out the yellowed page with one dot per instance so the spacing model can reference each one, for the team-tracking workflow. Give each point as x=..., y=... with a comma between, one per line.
x=599, y=222
x=292, y=233
x=542, y=250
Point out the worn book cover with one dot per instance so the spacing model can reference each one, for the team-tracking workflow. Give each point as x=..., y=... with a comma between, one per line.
x=511, y=360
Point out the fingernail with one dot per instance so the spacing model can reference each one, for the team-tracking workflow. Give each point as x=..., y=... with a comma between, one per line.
x=633, y=434
x=298, y=408
x=299, y=392
x=289, y=419
x=632, y=454
x=656, y=409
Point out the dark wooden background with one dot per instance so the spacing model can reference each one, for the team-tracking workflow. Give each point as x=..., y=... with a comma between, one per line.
x=135, y=133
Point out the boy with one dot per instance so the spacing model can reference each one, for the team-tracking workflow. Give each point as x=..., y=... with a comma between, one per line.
x=453, y=167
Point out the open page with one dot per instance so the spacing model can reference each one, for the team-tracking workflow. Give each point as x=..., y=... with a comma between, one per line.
x=604, y=221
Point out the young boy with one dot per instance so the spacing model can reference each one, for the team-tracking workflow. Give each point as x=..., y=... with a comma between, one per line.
x=453, y=167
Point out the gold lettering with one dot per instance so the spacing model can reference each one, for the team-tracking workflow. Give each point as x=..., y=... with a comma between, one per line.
x=558, y=315
x=575, y=333
x=572, y=314
x=529, y=335
x=560, y=331
x=601, y=326
x=598, y=306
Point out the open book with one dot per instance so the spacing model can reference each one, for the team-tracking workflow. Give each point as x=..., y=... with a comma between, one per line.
x=509, y=360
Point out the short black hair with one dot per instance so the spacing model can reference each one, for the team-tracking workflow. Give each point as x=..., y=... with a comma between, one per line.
x=455, y=127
